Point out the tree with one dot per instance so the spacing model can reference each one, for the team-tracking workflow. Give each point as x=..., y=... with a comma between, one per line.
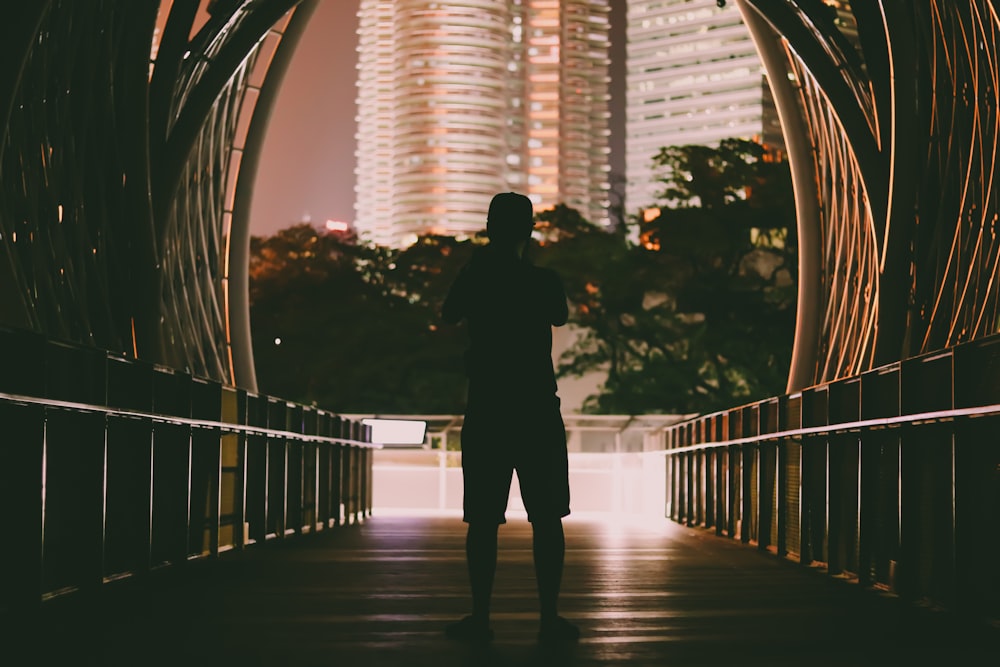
x=699, y=316
x=696, y=316
x=352, y=328
x=602, y=280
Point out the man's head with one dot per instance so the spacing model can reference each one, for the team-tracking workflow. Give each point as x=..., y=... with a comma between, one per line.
x=510, y=219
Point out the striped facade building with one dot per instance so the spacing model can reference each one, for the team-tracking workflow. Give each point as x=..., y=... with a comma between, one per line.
x=694, y=77
x=458, y=101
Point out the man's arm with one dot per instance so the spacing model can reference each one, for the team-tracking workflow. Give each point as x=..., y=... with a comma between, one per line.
x=556, y=305
x=456, y=303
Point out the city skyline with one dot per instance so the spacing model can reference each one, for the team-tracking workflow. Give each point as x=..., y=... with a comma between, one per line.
x=458, y=102
x=310, y=168
x=307, y=165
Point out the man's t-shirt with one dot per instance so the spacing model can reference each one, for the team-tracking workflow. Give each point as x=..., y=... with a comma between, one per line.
x=510, y=306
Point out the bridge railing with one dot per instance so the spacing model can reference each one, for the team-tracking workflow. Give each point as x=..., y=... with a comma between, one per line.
x=111, y=468
x=891, y=477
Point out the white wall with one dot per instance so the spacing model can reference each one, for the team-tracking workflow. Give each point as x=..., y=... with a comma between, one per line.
x=614, y=484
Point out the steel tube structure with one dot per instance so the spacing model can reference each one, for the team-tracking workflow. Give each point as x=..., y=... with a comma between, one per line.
x=880, y=463
x=901, y=123
x=123, y=143
x=133, y=434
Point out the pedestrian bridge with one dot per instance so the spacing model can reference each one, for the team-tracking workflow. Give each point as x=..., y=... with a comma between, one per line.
x=158, y=507
x=157, y=511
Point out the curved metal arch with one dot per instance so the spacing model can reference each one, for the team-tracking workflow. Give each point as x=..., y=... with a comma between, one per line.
x=118, y=175
x=908, y=214
x=802, y=370
x=17, y=33
x=239, y=257
x=818, y=48
x=76, y=237
x=210, y=103
x=838, y=165
x=214, y=58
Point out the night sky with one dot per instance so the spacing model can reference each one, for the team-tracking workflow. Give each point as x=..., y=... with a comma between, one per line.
x=307, y=164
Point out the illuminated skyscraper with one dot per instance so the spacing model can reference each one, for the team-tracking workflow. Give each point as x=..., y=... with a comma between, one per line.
x=694, y=77
x=460, y=100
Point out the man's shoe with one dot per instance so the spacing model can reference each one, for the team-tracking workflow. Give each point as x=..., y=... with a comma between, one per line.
x=469, y=629
x=557, y=628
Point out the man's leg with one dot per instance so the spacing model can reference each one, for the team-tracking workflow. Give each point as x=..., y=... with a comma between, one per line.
x=481, y=558
x=549, y=544
x=486, y=475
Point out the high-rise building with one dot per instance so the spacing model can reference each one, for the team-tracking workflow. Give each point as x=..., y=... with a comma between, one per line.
x=693, y=77
x=460, y=100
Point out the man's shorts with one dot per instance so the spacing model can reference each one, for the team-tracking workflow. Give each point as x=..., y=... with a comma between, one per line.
x=529, y=438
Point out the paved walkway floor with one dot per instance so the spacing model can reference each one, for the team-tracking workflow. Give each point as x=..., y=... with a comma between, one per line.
x=379, y=593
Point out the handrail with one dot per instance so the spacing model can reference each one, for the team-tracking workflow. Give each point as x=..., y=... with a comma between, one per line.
x=107, y=493
x=888, y=477
x=183, y=421
x=842, y=427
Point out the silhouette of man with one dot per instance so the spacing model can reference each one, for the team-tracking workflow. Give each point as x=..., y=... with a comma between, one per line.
x=512, y=417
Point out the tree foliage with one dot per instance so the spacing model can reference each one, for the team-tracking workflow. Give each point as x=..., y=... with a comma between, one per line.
x=357, y=324
x=692, y=311
x=698, y=315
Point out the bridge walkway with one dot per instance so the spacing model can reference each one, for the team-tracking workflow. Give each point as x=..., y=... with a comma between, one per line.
x=379, y=593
